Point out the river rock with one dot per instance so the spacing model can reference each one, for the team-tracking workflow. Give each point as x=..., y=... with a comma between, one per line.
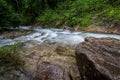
x=99, y=59
x=50, y=71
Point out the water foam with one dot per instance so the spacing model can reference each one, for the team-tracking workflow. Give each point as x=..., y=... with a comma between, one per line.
x=55, y=35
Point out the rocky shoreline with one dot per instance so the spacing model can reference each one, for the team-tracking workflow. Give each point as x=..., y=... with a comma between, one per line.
x=92, y=28
x=45, y=62
x=93, y=59
x=100, y=29
x=97, y=59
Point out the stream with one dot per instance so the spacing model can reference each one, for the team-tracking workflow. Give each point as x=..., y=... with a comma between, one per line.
x=53, y=35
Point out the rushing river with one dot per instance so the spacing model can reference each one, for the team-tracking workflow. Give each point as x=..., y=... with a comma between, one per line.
x=54, y=35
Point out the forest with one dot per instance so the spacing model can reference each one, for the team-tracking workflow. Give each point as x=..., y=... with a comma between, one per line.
x=14, y=13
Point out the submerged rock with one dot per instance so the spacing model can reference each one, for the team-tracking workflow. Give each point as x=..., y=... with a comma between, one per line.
x=99, y=59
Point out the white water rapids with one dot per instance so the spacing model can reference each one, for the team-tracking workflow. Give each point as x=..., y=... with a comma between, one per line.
x=54, y=35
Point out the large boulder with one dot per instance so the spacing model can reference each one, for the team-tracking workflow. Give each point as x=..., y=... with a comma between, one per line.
x=99, y=59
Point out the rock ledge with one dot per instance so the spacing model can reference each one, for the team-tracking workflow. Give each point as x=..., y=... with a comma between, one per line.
x=99, y=59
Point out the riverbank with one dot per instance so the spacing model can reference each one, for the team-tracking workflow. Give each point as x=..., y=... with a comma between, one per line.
x=92, y=28
x=100, y=29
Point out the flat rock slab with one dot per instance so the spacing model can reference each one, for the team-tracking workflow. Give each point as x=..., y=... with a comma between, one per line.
x=99, y=59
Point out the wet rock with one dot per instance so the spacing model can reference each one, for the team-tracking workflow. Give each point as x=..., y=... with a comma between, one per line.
x=99, y=59
x=15, y=33
x=103, y=29
x=58, y=55
x=46, y=61
x=50, y=71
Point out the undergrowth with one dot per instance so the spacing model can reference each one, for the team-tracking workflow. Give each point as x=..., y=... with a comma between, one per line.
x=59, y=12
x=9, y=56
x=81, y=12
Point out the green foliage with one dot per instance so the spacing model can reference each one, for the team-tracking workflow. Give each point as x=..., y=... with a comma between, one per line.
x=21, y=12
x=110, y=16
x=50, y=16
x=9, y=56
x=7, y=15
x=81, y=12
x=86, y=20
x=113, y=2
x=65, y=12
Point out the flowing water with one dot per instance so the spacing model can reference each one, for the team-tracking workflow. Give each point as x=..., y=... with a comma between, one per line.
x=54, y=35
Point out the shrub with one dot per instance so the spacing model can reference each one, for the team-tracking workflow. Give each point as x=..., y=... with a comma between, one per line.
x=9, y=56
x=110, y=16
x=68, y=12
x=49, y=16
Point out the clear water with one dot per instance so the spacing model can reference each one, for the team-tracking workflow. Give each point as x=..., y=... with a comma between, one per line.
x=54, y=35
